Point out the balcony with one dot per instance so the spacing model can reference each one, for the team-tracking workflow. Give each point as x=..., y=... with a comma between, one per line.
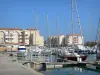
x=11, y=35
x=8, y=38
x=6, y=35
x=26, y=34
x=19, y=35
x=20, y=38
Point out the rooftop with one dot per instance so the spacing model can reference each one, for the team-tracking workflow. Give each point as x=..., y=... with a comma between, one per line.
x=73, y=35
x=15, y=43
x=17, y=29
x=56, y=36
x=32, y=29
x=10, y=29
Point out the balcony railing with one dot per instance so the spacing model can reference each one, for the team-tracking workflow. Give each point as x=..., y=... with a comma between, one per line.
x=19, y=35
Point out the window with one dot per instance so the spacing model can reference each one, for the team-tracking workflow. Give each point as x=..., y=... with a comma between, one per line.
x=11, y=35
x=20, y=38
x=37, y=41
x=19, y=35
x=11, y=38
x=26, y=34
x=6, y=35
x=26, y=38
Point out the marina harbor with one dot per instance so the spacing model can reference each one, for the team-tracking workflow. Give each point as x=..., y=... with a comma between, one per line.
x=49, y=37
x=35, y=65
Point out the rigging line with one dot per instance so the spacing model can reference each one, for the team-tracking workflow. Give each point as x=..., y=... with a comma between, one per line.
x=79, y=22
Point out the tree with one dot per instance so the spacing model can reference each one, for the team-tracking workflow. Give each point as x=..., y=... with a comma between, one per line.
x=90, y=44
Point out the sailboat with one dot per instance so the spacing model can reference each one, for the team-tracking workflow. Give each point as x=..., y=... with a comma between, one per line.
x=75, y=56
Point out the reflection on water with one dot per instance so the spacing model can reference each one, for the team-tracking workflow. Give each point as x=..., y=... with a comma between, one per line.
x=91, y=57
x=90, y=70
x=70, y=71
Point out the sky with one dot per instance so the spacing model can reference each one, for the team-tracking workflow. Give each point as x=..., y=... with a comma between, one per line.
x=21, y=14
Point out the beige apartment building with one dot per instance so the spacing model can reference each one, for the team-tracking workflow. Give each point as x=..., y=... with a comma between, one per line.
x=10, y=35
x=75, y=39
x=63, y=40
x=17, y=35
x=36, y=38
x=56, y=41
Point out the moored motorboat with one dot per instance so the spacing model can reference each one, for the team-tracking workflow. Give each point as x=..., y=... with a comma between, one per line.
x=98, y=52
x=75, y=57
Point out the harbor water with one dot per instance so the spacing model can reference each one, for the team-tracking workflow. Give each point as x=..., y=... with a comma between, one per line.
x=74, y=70
x=71, y=71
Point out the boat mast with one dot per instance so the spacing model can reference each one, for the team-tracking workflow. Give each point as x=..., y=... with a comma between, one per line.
x=72, y=23
x=98, y=33
x=98, y=37
x=48, y=29
x=78, y=17
x=35, y=26
x=57, y=30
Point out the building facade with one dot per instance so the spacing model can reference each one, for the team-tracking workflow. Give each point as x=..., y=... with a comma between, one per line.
x=74, y=39
x=33, y=36
x=16, y=35
x=56, y=41
x=62, y=40
x=10, y=35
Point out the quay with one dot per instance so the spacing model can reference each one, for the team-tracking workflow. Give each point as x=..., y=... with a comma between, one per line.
x=7, y=67
x=10, y=66
x=49, y=65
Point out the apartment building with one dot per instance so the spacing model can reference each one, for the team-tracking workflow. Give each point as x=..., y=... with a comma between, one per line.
x=1, y=37
x=75, y=39
x=35, y=39
x=63, y=40
x=56, y=41
x=8, y=35
x=17, y=35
